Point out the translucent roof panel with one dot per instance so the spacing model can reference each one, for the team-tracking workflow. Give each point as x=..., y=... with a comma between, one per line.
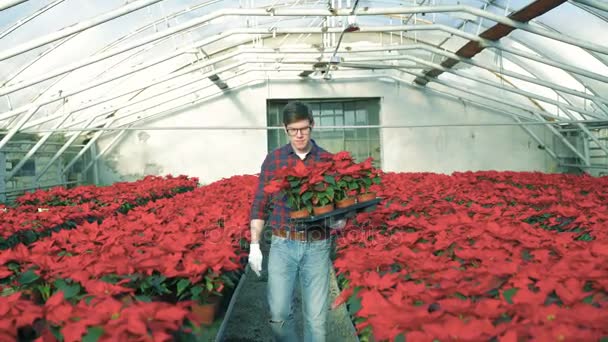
x=114, y=59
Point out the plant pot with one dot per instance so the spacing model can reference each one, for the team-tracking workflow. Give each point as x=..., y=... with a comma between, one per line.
x=302, y=213
x=368, y=196
x=323, y=209
x=347, y=202
x=205, y=313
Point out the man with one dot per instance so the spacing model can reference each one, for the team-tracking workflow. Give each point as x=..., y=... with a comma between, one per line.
x=292, y=253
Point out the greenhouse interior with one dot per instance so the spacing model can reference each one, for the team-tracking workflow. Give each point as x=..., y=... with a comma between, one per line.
x=340, y=170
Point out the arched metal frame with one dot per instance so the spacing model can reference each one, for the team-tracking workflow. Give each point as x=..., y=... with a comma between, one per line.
x=214, y=63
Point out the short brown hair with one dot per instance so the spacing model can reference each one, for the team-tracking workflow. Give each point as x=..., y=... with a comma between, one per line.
x=296, y=111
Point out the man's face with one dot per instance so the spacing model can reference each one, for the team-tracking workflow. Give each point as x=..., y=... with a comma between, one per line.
x=299, y=133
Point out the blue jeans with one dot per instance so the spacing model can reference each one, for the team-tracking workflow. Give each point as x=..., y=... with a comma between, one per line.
x=311, y=261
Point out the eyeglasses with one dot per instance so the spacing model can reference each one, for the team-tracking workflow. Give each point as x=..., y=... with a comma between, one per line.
x=294, y=131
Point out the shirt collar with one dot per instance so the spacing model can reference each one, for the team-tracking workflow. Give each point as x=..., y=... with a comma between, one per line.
x=313, y=148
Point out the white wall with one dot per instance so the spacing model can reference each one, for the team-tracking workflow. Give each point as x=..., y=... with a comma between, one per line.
x=214, y=154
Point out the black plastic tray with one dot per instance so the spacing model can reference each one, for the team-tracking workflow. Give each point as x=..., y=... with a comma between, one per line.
x=336, y=214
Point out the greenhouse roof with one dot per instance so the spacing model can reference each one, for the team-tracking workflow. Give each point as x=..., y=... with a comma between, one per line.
x=76, y=66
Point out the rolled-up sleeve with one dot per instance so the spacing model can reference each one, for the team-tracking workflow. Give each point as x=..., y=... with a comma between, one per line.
x=260, y=200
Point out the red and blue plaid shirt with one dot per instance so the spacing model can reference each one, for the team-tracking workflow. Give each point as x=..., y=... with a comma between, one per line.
x=275, y=160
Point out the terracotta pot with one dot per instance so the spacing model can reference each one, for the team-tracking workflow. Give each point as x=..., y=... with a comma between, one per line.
x=324, y=209
x=205, y=313
x=302, y=213
x=347, y=202
x=368, y=196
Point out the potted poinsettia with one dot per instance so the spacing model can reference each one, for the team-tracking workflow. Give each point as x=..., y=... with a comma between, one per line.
x=345, y=176
x=367, y=176
x=205, y=295
x=293, y=182
x=322, y=185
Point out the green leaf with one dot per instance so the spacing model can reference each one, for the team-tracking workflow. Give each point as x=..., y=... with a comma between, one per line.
x=182, y=285
x=56, y=331
x=93, y=334
x=209, y=286
x=354, y=302
x=28, y=277
x=196, y=292
x=508, y=294
x=400, y=338
x=525, y=254
x=330, y=179
x=306, y=196
x=585, y=237
x=143, y=298
x=70, y=291
x=7, y=291
x=460, y=296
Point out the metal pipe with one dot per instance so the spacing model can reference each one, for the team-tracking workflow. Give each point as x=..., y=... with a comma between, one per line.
x=340, y=12
x=537, y=113
x=551, y=153
x=10, y=3
x=81, y=26
x=601, y=5
x=33, y=150
x=60, y=152
x=29, y=18
x=190, y=91
x=13, y=130
x=537, y=81
x=161, y=80
x=180, y=95
x=227, y=67
x=590, y=166
x=84, y=149
x=105, y=150
x=15, y=87
x=499, y=86
x=23, y=108
x=228, y=128
x=37, y=187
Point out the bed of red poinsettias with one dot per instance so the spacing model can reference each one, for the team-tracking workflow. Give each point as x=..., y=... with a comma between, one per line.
x=134, y=276
x=41, y=210
x=480, y=256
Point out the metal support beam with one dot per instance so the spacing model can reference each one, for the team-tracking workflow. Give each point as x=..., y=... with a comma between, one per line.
x=68, y=31
x=10, y=3
x=189, y=103
x=494, y=33
x=313, y=30
x=105, y=150
x=500, y=86
x=537, y=113
x=13, y=130
x=519, y=122
x=299, y=12
x=601, y=5
x=30, y=17
x=60, y=152
x=33, y=150
x=182, y=72
x=85, y=148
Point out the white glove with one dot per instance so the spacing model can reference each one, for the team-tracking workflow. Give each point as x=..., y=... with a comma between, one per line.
x=339, y=224
x=255, y=258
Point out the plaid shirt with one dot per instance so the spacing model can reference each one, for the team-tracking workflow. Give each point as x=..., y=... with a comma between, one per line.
x=282, y=156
